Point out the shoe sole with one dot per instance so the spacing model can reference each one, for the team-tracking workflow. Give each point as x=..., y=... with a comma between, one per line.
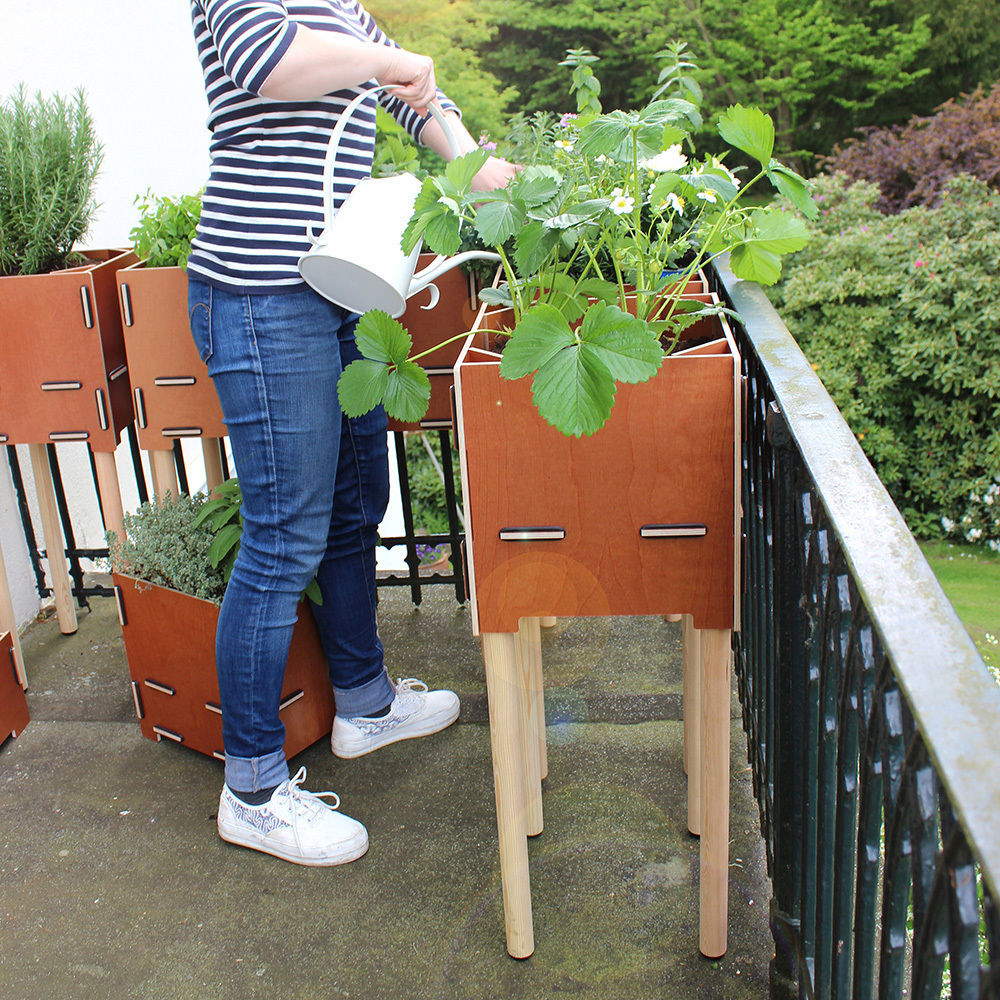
x=277, y=851
x=430, y=726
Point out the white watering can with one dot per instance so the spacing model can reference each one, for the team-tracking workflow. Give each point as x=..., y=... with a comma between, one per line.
x=357, y=262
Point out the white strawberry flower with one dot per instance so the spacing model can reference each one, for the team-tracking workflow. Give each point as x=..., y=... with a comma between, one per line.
x=710, y=196
x=676, y=202
x=564, y=144
x=621, y=203
x=670, y=159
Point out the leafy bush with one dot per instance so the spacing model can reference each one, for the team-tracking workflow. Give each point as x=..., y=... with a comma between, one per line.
x=427, y=493
x=164, y=233
x=166, y=545
x=49, y=158
x=900, y=316
x=980, y=524
x=912, y=163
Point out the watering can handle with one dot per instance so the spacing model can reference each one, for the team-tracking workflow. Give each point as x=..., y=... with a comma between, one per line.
x=334, y=146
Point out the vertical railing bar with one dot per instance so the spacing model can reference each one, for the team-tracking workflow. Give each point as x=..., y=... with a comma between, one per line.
x=451, y=505
x=225, y=459
x=182, y=479
x=75, y=569
x=34, y=554
x=412, y=559
x=140, y=477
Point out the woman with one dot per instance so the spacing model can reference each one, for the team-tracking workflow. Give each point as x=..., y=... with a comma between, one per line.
x=278, y=75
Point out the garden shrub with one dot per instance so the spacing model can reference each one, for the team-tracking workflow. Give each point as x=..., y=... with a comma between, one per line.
x=900, y=316
x=164, y=546
x=912, y=163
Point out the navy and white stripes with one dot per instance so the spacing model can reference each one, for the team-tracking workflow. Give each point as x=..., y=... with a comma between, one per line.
x=266, y=180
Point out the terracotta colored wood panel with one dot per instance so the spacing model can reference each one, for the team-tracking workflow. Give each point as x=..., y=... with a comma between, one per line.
x=170, y=644
x=13, y=705
x=454, y=314
x=56, y=379
x=159, y=347
x=665, y=457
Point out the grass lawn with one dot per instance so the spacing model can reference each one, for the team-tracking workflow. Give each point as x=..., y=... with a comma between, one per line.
x=970, y=576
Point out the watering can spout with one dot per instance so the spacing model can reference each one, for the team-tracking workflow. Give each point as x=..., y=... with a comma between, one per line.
x=441, y=264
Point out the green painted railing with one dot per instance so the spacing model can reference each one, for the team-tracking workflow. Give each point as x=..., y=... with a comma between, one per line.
x=873, y=725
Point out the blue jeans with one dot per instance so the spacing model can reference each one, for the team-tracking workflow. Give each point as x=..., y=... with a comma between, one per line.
x=315, y=486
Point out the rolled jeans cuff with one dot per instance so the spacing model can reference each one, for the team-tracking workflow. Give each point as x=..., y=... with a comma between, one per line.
x=253, y=774
x=369, y=697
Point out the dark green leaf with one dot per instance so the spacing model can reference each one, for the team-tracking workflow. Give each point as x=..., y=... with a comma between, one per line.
x=223, y=543
x=498, y=221
x=534, y=244
x=749, y=130
x=794, y=188
x=407, y=393
x=461, y=170
x=574, y=391
x=382, y=338
x=362, y=386
x=313, y=592
x=542, y=332
x=624, y=344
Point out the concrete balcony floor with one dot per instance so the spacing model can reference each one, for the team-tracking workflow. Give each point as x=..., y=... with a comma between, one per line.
x=113, y=882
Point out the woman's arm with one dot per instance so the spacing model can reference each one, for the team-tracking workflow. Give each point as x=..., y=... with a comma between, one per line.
x=318, y=62
x=495, y=173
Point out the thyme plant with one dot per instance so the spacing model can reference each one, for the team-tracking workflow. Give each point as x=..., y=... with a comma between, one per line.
x=49, y=159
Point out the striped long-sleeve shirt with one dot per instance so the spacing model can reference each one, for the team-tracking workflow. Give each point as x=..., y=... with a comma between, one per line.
x=266, y=181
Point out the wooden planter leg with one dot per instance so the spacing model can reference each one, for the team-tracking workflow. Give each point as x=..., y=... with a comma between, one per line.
x=548, y=621
x=538, y=694
x=692, y=721
x=500, y=659
x=164, y=472
x=111, y=495
x=212, y=450
x=8, y=622
x=716, y=646
x=526, y=699
x=52, y=532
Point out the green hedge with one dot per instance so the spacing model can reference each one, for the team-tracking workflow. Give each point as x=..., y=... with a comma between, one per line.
x=900, y=316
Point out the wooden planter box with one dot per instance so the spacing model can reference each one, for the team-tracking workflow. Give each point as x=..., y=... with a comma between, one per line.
x=636, y=519
x=641, y=518
x=455, y=313
x=13, y=705
x=170, y=645
x=64, y=375
x=174, y=396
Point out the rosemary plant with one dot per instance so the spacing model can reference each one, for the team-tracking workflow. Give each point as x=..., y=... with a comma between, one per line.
x=49, y=159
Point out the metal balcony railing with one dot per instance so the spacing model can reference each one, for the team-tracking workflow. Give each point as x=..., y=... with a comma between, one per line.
x=872, y=723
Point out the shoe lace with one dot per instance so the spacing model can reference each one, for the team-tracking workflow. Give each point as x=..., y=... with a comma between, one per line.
x=306, y=804
x=410, y=684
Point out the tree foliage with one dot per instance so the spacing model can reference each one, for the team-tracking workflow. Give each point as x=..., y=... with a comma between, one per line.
x=452, y=32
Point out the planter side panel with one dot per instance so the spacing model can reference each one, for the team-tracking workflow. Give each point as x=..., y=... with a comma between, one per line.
x=13, y=705
x=170, y=645
x=173, y=391
x=665, y=457
x=56, y=381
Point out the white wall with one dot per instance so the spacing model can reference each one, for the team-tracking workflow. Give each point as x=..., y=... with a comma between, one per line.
x=136, y=61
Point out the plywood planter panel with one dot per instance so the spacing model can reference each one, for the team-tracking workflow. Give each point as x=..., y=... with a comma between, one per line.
x=174, y=396
x=170, y=645
x=454, y=314
x=637, y=519
x=13, y=705
x=64, y=375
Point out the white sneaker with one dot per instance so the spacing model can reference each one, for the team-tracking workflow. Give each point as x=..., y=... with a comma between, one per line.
x=294, y=824
x=414, y=711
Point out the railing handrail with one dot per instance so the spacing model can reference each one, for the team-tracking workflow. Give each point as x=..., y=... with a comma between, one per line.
x=929, y=647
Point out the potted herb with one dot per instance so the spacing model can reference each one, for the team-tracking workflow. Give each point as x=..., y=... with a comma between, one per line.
x=173, y=394
x=64, y=376
x=169, y=570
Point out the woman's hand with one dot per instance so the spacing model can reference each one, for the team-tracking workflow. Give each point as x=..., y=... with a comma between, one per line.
x=412, y=78
x=495, y=173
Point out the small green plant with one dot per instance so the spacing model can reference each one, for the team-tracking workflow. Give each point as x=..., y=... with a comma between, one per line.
x=222, y=517
x=49, y=159
x=163, y=235
x=168, y=543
